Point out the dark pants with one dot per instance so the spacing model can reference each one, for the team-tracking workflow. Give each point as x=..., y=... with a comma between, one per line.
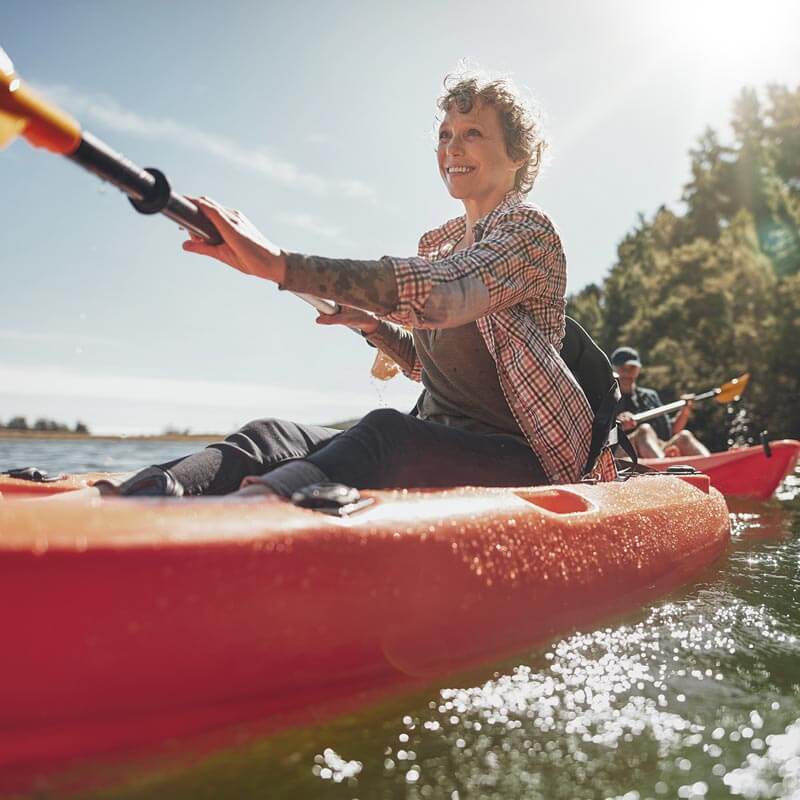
x=385, y=449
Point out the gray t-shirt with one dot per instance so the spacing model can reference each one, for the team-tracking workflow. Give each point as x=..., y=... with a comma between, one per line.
x=460, y=379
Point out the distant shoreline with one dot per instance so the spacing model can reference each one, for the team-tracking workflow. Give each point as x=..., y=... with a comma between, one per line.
x=139, y=437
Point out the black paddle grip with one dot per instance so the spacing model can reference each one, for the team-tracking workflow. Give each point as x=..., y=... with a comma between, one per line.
x=147, y=189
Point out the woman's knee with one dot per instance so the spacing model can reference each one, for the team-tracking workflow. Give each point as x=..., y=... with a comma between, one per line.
x=381, y=432
x=263, y=440
x=385, y=420
x=259, y=429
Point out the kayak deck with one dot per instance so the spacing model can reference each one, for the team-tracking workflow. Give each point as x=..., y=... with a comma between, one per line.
x=743, y=471
x=130, y=622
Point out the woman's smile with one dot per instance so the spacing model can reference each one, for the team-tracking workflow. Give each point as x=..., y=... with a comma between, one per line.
x=473, y=159
x=458, y=171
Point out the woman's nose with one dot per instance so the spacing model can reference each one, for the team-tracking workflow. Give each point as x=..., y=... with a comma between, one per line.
x=455, y=145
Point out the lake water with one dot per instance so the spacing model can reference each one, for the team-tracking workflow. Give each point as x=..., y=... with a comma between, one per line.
x=696, y=695
x=89, y=455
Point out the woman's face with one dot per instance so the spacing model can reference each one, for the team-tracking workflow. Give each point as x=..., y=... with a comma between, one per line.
x=472, y=156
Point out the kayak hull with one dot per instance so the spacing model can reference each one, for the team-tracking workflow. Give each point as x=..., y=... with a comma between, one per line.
x=129, y=623
x=744, y=471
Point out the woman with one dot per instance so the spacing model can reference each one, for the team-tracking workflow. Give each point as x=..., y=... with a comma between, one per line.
x=477, y=317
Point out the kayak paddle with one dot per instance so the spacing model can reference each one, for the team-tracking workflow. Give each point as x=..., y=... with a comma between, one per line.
x=727, y=393
x=24, y=113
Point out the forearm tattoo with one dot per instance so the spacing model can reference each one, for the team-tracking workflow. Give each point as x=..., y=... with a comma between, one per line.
x=369, y=285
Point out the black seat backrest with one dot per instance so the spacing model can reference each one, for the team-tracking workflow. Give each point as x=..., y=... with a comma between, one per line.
x=592, y=369
x=587, y=362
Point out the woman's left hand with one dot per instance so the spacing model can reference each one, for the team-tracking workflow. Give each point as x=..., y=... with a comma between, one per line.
x=243, y=246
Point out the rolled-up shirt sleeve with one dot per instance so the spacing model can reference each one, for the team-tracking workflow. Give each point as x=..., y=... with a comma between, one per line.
x=513, y=263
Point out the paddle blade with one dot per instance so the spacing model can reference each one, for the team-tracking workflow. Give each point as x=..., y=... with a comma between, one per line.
x=10, y=128
x=10, y=124
x=22, y=111
x=732, y=390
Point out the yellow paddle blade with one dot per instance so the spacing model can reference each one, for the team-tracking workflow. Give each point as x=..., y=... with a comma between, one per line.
x=11, y=125
x=22, y=111
x=10, y=128
x=732, y=390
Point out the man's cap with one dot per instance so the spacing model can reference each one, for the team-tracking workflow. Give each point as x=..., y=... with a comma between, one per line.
x=625, y=355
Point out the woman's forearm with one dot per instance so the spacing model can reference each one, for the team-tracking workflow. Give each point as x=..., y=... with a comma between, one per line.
x=369, y=285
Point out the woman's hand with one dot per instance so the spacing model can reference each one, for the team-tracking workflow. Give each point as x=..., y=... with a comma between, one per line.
x=243, y=246
x=352, y=317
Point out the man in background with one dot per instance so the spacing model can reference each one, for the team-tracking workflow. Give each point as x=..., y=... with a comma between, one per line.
x=661, y=436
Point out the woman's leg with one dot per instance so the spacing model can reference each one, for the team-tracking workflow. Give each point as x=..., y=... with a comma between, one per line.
x=255, y=449
x=390, y=449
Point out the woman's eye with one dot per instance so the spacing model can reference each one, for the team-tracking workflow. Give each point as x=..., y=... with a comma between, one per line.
x=443, y=135
x=473, y=132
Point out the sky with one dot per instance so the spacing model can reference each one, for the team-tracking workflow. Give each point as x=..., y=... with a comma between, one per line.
x=316, y=120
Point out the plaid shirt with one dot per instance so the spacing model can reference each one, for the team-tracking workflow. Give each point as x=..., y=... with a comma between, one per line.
x=512, y=283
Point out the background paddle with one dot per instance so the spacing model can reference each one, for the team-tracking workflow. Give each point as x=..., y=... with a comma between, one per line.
x=727, y=393
x=24, y=113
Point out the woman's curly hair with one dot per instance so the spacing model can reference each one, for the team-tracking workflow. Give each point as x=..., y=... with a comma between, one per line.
x=522, y=127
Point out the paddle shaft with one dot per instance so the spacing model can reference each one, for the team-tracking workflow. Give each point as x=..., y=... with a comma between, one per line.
x=150, y=193
x=47, y=126
x=652, y=413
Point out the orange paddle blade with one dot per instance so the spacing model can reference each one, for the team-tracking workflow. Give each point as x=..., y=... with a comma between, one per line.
x=23, y=112
x=732, y=390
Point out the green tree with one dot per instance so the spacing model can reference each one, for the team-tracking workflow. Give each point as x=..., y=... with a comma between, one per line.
x=714, y=291
x=587, y=308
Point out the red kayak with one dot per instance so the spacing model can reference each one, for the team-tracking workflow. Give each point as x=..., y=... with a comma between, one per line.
x=128, y=624
x=754, y=472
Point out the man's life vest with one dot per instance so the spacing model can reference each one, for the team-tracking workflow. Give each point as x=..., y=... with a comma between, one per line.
x=592, y=369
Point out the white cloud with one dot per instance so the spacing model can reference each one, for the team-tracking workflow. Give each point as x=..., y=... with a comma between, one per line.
x=309, y=223
x=67, y=383
x=106, y=112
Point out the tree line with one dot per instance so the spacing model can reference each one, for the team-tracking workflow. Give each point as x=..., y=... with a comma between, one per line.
x=43, y=424
x=713, y=290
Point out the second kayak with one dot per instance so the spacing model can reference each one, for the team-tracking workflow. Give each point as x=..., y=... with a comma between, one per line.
x=754, y=472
